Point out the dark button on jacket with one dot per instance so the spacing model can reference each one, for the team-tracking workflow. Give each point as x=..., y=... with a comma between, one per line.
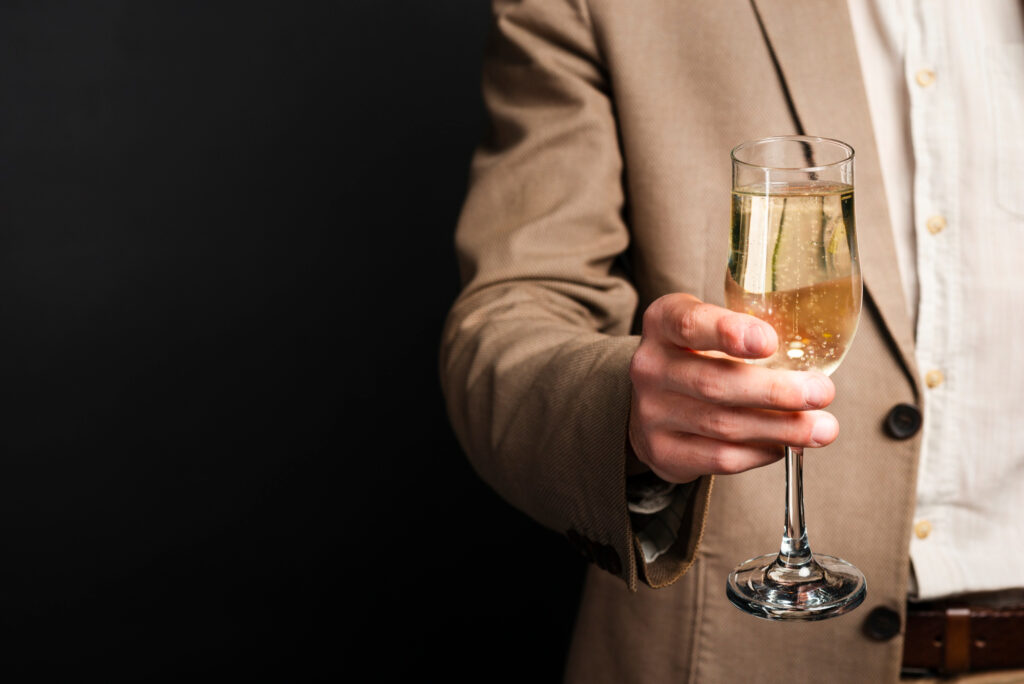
x=581, y=544
x=882, y=624
x=604, y=555
x=903, y=421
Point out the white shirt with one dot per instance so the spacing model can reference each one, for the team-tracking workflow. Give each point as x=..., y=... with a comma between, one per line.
x=945, y=85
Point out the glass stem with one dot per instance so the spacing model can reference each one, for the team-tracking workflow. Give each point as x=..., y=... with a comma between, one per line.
x=795, y=552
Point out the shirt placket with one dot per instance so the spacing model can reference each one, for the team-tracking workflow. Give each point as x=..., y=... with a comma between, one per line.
x=932, y=119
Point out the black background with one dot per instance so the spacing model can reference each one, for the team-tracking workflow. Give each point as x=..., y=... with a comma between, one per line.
x=226, y=242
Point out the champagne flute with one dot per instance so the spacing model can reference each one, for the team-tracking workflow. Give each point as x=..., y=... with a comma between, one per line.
x=793, y=263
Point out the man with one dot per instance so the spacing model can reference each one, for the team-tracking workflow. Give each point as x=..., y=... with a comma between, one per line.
x=593, y=246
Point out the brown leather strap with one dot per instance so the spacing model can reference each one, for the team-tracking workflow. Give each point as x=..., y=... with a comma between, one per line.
x=956, y=638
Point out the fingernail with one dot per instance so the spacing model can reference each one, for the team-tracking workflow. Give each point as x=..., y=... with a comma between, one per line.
x=823, y=431
x=815, y=392
x=754, y=339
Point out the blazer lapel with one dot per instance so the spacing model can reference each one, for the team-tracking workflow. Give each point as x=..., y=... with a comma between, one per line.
x=814, y=45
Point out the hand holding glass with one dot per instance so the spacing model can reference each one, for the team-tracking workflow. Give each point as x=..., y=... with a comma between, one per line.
x=793, y=263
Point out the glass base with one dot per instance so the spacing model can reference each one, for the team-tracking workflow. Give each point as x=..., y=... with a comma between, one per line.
x=823, y=588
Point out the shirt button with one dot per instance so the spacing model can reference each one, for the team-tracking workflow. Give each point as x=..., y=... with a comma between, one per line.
x=933, y=378
x=922, y=528
x=936, y=224
x=925, y=77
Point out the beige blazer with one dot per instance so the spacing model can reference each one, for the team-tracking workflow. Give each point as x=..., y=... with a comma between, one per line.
x=603, y=184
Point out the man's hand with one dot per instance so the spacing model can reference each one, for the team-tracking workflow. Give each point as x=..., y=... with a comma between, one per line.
x=696, y=411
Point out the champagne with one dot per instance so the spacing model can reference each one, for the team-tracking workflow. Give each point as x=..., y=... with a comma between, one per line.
x=793, y=264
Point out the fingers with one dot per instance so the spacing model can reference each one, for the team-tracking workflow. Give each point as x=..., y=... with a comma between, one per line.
x=678, y=414
x=683, y=458
x=728, y=383
x=687, y=322
x=658, y=368
x=705, y=411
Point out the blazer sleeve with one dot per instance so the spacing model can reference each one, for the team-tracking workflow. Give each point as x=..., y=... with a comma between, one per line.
x=536, y=349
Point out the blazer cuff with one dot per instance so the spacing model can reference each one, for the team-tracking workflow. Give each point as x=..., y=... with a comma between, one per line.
x=648, y=494
x=666, y=541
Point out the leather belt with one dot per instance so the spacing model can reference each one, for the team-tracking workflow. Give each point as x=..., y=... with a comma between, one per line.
x=948, y=637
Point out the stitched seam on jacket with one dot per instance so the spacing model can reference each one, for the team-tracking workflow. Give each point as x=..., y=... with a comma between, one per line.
x=698, y=618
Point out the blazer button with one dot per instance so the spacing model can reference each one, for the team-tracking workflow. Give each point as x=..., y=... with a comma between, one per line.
x=903, y=421
x=589, y=549
x=882, y=624
x=580, y=544
x=585, y=545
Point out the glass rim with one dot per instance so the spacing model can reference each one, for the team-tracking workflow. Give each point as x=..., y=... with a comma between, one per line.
x=793, y=138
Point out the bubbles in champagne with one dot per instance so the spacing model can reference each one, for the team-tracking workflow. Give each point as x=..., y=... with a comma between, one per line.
x=793, y=263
